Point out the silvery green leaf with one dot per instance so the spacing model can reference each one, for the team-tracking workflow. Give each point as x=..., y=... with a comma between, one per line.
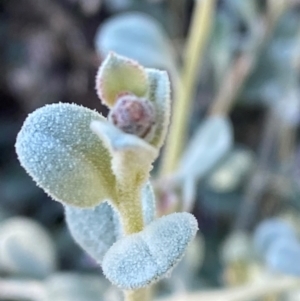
x=137, y=36
x=148, y=203
x=75, y=287
x=26, y=248
x=184, y=276
x=211, y=141
x=159, y=94
x=268, y=232
x=96, y=229
x=234, y=169
x=64, y=157
x=283, y=255
x=138, y=260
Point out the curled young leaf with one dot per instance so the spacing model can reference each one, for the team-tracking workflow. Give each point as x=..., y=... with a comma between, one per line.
x=119, y=75
x=159, y=94
x=148, y=203
x=131, y=155
x=138, y=260
x=64, y=157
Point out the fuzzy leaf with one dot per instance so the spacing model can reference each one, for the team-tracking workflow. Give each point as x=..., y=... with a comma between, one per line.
x=148, y=203
x=60, y=152
x=131, y=155
x=117, y=75
x=140, y=259
x=210, y=143
x=26, y=248
x=160, y=94
x=137, y=36
x=96, y=229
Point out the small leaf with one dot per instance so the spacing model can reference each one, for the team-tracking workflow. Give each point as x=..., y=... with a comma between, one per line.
x=140, y=259
x=26, y=248
x=160, y=95
x=96, y=229
x=210, y=143
x=137, y=36
x=148, y=203
x=118, y=75
x=60, y=152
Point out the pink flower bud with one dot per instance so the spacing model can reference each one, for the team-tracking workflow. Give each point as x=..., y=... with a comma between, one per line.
x=133, y=115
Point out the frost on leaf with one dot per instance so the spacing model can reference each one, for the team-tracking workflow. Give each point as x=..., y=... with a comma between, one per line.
x=118, y=75
x=60, y=152
x=140, y=259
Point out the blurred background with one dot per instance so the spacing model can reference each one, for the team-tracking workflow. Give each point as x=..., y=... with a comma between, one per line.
x=247, y=199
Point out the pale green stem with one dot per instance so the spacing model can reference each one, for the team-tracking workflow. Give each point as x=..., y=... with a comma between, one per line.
x=198, y=36
x=128, y=190
x=138, y=295
x=129, y=205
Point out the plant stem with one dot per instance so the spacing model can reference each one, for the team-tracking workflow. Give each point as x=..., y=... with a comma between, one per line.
x=129, y=186
x=130, y=209
x=231, y=85
x=199, y=32
x=138, y=295
x=129, y=205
